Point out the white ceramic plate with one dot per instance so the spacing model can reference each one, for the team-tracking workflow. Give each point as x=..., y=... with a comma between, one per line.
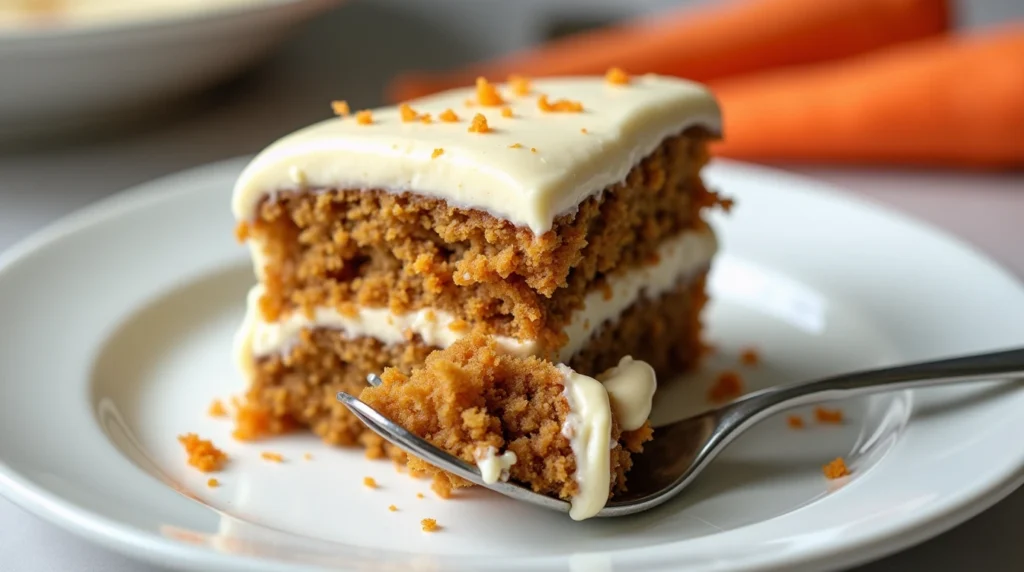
x=117, y=325
x=87, y=72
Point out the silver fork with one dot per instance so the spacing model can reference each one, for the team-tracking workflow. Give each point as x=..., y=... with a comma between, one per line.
x=681, y=450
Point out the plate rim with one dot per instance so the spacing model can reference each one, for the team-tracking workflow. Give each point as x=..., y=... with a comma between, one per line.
x=139, y=543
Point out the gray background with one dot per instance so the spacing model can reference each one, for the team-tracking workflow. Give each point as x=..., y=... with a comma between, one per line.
x=349, y=54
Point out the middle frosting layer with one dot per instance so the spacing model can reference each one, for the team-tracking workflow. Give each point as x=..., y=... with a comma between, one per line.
x=679, y=257
x=527, y=169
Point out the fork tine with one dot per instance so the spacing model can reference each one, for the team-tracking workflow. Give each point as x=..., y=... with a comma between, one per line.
x=414, y=445
x=408, y=442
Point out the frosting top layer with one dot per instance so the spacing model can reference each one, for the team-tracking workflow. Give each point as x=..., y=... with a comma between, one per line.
x=528, y=169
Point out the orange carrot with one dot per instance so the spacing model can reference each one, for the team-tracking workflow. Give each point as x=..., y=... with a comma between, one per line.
x=721, y=40
x=944, y=101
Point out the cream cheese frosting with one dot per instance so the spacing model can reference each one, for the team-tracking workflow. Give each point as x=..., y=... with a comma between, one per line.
x=528, y=169
x=494, y=467
x=630, y=386
x=625, y=391
x=678, y=257
x=588, y=427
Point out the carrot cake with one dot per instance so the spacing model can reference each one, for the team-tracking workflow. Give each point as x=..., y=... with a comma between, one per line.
x=561, y=433
x=571, y=228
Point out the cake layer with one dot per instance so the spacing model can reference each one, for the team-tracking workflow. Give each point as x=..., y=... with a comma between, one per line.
x=405, y=251
x=677, y=259
x=300, y=385
x=527, y=169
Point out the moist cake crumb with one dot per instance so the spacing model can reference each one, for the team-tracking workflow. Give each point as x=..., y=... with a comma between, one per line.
x=795, y=422
x=202, y=454
x=429, y=525
x=272, y=457
x=728, y=386
x=370, y=482
x=441, y=486
x=749, y=356
x=217, y=409
x=506, y=112
x=836, y=469
x=448, y=116
x=253, y=421
x=392, y=508
x=828, y=416
x=419, y=495
x=212, y=483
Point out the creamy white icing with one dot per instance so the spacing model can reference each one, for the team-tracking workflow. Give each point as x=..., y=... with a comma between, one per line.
x=494, y=467
x=630, y=386
x=627, y=391
x=622, y=123
x=679, y=257
x=588, y=427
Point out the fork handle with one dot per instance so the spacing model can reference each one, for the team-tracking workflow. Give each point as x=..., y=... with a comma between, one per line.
x=978, y=367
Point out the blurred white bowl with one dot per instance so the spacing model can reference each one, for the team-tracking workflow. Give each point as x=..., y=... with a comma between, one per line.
x=84, y=72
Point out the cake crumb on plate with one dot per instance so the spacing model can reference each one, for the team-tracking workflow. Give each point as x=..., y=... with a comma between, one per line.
x=749, y=356
x=370, y=482
x=202, y=454
x=217, y=409
x=795, y=422
x=728, y=386
x=836, y=469
x=828, y=416
x=273, y=457
x=429, y=525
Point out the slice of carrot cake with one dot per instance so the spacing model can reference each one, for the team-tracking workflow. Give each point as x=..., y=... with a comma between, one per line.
x=526, y=419
x=566, y=220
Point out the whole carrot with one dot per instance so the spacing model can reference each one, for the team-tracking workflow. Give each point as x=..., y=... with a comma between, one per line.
x=721, y=40
x=954, y=101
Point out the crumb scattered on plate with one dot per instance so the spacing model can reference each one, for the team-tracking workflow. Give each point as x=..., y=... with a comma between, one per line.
x=217, y=409
x=429, y=525
x=829, y=416
x=728, y=386
x=419, y=495
x=392, y=508
x=273, y=457
x=749, y=356
x=795, y=422
x=836, y=469
x=212, y=483
x=202, y=454
x=307, y=456
x=370, y=482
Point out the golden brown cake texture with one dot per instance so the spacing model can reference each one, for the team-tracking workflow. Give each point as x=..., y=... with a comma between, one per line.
x=301, y=386
x=471, y=396
x=373, y=248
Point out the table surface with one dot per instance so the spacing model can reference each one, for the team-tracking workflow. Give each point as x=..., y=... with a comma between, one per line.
x=42, y=184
